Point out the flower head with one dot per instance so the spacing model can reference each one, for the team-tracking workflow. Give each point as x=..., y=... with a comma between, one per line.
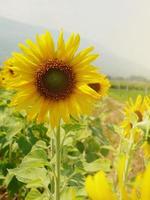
x=98, y=187
x=139, y=107
x=54, y=83
x=134, y=112
x=7, y=72
x=141, y=186
x=102, y=86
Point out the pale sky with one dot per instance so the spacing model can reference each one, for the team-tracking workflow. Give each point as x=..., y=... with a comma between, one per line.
x=121, y=26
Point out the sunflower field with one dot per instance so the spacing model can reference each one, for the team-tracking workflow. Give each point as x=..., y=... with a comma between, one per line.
x=62, y=135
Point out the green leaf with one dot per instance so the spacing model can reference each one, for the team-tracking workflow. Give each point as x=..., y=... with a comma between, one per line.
x=72, y=127
x=69, y=194
x=14, y=128
x=14, y=186
x=24, y=145
x=41, y=144
x=33, y=177
x=34, y=194
x=32, y=169
x=1, y=176
x=80, y=146
x=97, y=165
x=36, y=158
x=8, y=178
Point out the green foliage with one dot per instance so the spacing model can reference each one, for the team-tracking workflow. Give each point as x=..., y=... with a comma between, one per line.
x=27, y=154
x=34, y=194
x=123, y=95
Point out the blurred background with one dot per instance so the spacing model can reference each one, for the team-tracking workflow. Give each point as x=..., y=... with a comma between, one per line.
x=119, y=30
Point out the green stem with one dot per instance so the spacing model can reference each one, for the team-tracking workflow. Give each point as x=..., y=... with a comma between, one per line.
x=10, y=152
x=129, y=157
x=58, y=164
x=52, y=156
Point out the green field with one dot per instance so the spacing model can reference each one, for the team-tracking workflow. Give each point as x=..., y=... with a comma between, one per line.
x=123, y=90
x=123, y=95
x=130, y=84
x=87, y=145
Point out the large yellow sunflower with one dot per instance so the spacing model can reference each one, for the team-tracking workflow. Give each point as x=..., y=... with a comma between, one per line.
x=53, y=83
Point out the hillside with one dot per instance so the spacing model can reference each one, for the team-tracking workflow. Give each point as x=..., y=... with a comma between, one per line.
x=13, y=32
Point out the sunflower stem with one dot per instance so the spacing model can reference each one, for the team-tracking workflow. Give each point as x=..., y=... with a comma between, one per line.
x=52, y=156
x=58, y=164
x=129, y=157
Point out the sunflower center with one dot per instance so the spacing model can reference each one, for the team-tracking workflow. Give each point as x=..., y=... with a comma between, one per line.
x=11, y=71
x=139, y=115
x=148, y=140
x=130, y=125
x=55, y=80
x=95, y=86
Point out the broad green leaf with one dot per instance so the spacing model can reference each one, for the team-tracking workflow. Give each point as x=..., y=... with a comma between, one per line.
x=1, y=177
x=36, y=177
x=14, y=128
x=31, y=170
x=36, y=158
x=24, y=144
x=9, y=177
x=34, y=194
x=69, y=194
x=97, y=165
x=72, y=127
x=41, y=144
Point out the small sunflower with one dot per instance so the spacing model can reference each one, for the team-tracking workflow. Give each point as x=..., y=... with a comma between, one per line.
x=134, y=109
x=139, y=107
x=54, y=83
x=102, y=86
x=1, y=79
x=7, y=72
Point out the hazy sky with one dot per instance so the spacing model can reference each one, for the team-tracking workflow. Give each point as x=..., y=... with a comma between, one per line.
x=121, y=26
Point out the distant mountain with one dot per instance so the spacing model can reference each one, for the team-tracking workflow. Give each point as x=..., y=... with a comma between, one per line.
x=13, y=32
x=115, y=66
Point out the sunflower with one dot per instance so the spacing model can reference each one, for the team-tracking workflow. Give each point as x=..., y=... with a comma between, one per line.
x=141, y=185
x=1, y=79
x=134, y=112
x=139, y=107
x=54, y=83
x=7, y=72
x=98, y=187
x=101, y=86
